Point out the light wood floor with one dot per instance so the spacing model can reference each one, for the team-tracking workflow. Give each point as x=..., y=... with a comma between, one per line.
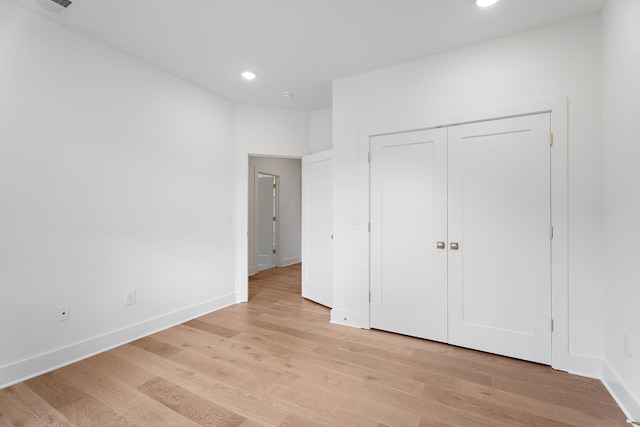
x=278, y=361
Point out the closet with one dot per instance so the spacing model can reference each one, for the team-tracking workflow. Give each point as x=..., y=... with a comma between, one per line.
x=461, y=235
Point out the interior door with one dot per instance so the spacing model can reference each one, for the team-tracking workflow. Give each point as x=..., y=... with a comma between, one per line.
x=408, y=216
x=265, y=221
x=317, y=228
x=499, y=217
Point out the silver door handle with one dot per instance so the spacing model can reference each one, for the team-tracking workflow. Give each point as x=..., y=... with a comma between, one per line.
x=454, y=246
x=440, y=245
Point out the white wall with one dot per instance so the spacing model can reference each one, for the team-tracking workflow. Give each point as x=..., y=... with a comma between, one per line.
x=321, y=130
x=263, y=132
x=289, y=194
x=621, y=156
x=557, y=62
x=110, y=176
x=272, y=131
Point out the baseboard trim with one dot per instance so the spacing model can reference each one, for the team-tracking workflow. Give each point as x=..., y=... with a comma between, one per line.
x=348, y=318
x=624, y=397
x=585, y=366
x=47, y=362
x=289, y=261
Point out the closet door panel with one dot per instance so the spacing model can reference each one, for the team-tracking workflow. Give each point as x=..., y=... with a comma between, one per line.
x=499, y=216
x=408, y=218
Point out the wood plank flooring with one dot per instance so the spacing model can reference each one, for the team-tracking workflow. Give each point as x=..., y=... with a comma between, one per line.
x=278, y=361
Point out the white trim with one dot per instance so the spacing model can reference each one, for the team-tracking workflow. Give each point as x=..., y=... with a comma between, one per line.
x=559, y=203
x=348, y=318
x=585, y=366
x=289, y=261
x=621, y=392
x=277, y=262
x=560, y=242
x=41, y=364
x=242, y=227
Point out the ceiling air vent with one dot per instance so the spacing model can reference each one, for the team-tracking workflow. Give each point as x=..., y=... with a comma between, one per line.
x=63, y=3
x=59, y=7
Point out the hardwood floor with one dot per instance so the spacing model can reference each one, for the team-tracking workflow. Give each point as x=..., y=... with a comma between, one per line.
x=278, y=361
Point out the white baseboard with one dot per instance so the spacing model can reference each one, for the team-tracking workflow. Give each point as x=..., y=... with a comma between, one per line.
x=289, y=261
x=38, y=365
x=347, y=318
x=624, y=397
x=585, y=366
x=252, y=270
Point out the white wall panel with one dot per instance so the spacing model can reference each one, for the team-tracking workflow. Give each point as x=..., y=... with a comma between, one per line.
x=110, y=180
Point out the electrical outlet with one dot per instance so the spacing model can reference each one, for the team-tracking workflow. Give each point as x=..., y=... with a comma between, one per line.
x=130, y=297
x=63, y=313
x=627, y=344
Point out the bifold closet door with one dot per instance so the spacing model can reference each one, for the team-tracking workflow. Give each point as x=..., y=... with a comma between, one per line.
x=499, y=216
x=408, y=216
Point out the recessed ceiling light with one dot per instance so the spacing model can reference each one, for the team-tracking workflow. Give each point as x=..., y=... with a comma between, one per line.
x=486, y=3
x=287, y=95
x=248, y=75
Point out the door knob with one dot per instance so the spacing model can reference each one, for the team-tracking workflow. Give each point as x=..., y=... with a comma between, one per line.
x=440, y=245
x=454, y=246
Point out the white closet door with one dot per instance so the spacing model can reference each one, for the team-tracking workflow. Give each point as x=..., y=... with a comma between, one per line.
x=499, y=215
x=317, y=225
x=408, y=217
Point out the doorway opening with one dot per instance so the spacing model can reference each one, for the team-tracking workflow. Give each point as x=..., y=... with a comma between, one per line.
x=273, y=214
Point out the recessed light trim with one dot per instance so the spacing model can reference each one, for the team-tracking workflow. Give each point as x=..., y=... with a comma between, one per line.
x=248, y=75
x=486, y=3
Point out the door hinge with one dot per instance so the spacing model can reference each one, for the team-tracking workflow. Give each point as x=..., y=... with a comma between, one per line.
x=552, y=325
x=275, y=185
x=551, y=231
x=551, y=138
x=274, y=251
x=369, y=226
x=369, y=157
x=369, y=296
x=274, y=218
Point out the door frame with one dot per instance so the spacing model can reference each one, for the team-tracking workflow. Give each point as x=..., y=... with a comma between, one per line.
x=559, y=204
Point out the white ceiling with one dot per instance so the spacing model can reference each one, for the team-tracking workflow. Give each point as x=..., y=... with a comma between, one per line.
x=299, y=46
